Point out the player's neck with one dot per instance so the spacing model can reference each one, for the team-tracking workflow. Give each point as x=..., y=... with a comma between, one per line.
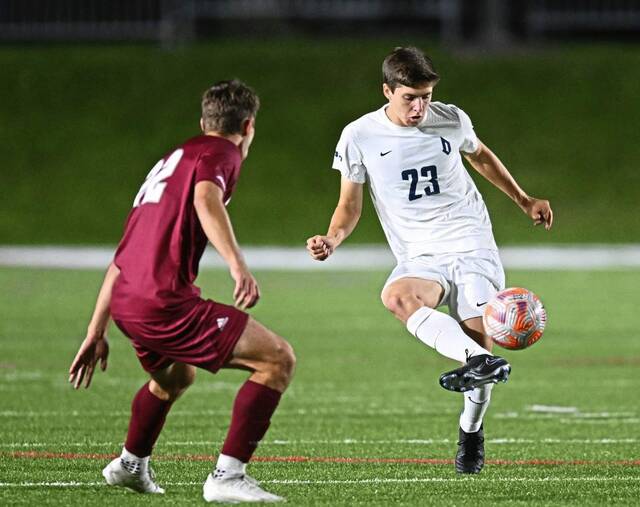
x=392, y=117
x=234, y=138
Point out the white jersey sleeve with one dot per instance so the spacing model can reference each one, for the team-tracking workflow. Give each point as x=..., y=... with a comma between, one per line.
x=470, y=141
x=348, y=157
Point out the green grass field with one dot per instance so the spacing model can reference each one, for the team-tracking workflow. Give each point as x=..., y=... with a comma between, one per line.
x=363, y=410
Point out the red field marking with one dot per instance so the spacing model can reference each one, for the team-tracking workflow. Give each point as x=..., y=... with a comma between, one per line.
x=310, y=459
x=57, y=455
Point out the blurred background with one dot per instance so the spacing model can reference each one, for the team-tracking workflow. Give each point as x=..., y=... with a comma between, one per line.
x=93, y=92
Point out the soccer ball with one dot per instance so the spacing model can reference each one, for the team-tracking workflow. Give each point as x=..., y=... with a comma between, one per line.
x=515, y=318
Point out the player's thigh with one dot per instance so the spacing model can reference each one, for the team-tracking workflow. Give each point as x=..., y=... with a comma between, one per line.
x=423, y=281
x=469, y=296
x=204, y=336
x=260, y=348
x=477, y=276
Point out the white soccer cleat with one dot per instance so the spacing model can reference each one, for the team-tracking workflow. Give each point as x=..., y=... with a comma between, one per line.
x=143, y=482
x=236, y=489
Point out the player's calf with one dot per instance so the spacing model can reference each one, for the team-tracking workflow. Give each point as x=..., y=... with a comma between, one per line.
x=253, y=407
x=272, y=363
x=149, y=410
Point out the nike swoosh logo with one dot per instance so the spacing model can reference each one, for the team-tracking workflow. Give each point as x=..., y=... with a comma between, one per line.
x=481, y=304
x=385, y=153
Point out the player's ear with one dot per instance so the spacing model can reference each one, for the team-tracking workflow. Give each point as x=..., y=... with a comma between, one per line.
x=386, y=90
x=248, y=126
x=202, y=125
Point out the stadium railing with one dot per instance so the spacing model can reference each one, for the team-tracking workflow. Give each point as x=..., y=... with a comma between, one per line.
x=172, y=20
x=547, y=16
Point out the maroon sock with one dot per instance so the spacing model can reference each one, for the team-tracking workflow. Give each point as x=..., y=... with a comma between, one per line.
x=252, y=411
x=148, y=413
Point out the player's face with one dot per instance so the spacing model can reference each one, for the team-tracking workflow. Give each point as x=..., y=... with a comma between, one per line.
x=407, y=105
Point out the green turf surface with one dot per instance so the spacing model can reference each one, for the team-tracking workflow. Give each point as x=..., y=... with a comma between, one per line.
x=365, y=393
x=85, y=124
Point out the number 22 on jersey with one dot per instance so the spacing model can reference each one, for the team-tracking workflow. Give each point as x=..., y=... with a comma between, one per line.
x=153, y=187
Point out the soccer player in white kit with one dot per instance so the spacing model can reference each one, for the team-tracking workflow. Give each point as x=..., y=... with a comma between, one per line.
x=436, y=224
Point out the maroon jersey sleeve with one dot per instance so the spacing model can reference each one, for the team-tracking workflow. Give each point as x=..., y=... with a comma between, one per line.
x=216, y=167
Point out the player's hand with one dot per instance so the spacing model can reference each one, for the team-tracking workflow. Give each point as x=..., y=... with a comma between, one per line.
x=94, y=348
x=321, y=247
x=540, y=211
x=246, y=292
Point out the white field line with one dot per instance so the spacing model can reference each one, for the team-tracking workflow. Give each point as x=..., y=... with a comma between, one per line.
x=345, y=441
x=375, y=480
x=556, y=414
x=634, y=421
x=552, y=409
x=368, y=257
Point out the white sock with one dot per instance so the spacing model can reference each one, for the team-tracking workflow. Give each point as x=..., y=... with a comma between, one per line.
x=228, y=465
x=476, y=403
x=443, y=333
x=132, y=463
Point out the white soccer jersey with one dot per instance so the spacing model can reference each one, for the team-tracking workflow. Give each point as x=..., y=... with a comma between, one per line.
x=425, y=199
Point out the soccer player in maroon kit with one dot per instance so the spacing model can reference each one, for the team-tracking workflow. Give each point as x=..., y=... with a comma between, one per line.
x=148, y=290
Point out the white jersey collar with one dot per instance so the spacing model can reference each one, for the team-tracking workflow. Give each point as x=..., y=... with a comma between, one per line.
x=387, y=122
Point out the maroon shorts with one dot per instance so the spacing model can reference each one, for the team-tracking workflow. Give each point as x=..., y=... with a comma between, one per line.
x=204, y=337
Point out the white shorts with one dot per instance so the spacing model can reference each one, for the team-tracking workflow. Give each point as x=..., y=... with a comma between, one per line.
x=469, y=279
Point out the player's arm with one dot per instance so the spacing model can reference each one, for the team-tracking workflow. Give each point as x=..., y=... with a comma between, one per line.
x=344, y=220
x=209, y=204
x=489, y=165
x=95, y=346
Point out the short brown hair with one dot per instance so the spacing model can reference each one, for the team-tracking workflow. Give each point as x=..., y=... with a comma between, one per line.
x=227, y=105
x=408, y=67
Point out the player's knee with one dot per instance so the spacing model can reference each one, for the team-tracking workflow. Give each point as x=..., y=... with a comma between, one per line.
x=282, y=364
x=172, y=388
x=286, y=361
x=175, y=391
x=399, y=303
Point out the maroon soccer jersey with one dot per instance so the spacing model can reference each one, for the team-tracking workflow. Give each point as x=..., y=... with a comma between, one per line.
x=163, y=241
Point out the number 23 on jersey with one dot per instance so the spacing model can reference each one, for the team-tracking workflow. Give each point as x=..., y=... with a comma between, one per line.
x=429, y=172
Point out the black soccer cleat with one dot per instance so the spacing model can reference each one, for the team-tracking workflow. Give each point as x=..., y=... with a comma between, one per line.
x=470, y=455
x=479, y=370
